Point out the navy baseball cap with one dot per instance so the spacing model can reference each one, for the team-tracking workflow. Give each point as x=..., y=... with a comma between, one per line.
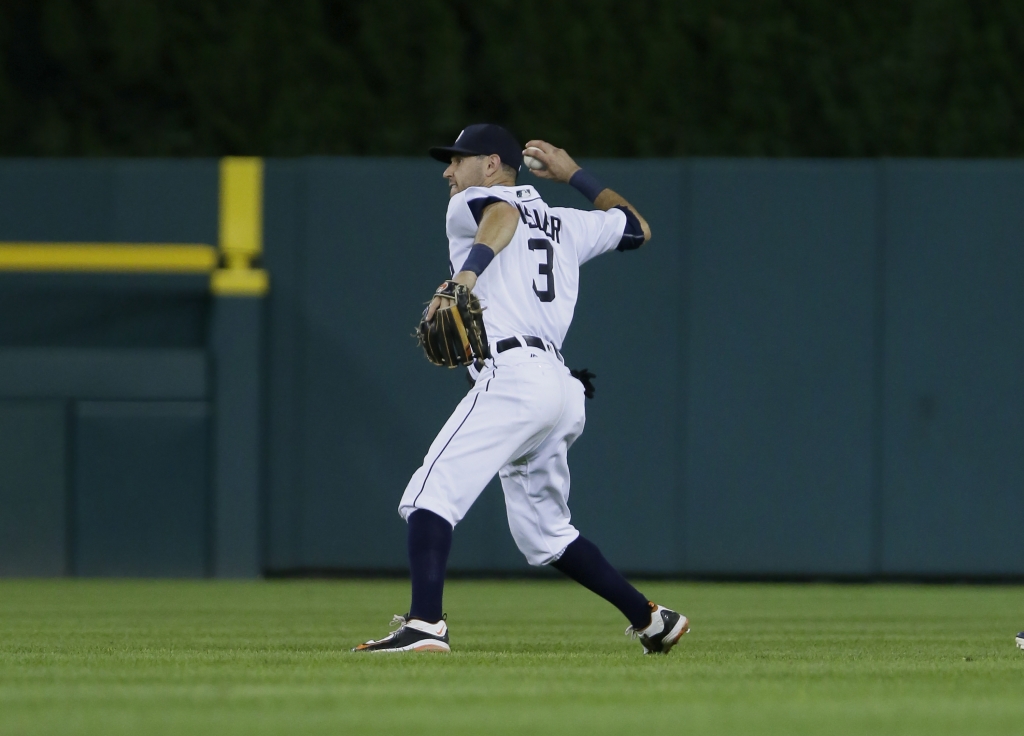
x=483, y=139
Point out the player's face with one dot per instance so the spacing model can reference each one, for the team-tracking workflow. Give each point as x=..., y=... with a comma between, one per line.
x=464, y=172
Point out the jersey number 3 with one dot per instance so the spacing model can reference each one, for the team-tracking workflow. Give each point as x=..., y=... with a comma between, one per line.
x=546, y=269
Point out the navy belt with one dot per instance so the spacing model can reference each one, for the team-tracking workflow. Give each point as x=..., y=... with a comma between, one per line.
x=534, y=342
x=513, y=342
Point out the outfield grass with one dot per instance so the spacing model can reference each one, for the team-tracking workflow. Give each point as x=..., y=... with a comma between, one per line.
x=113, y=657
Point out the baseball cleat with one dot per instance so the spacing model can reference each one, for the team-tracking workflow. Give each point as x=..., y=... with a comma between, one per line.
x=666, y=628
x=412, y=635
x=1020, y=640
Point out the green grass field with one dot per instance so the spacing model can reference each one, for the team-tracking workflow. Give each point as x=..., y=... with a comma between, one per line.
x=119, y=657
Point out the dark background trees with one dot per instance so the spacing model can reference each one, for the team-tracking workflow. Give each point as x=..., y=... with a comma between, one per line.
x=604, y=78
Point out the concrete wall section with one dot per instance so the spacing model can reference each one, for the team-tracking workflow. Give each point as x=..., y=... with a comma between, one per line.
x=103, y=374
x=104, y=200
x=33, y=488
x=141, y=484
x=237, y=468
x=283, y=235
x=104, y=378
x=781, y=327
x=954, y=368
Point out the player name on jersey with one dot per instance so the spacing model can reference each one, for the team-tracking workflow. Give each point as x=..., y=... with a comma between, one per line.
x=549, y=225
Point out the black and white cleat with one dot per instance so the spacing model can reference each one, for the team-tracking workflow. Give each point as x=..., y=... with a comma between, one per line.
x=412, y=635
x=1020, y=640
x=665, y=630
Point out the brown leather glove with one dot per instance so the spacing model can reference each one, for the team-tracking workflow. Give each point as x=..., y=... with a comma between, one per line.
x=455, y=335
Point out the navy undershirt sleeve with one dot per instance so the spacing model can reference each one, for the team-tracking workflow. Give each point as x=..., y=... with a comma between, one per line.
x=477, y=206
x=633, y=234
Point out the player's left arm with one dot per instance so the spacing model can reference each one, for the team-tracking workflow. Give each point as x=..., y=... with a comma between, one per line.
x=559, y=166
x=497, y=227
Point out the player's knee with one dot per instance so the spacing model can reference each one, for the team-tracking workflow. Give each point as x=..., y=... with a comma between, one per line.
x=543, y=549
x=535, y=552
x=536, y=559
x=405, y=510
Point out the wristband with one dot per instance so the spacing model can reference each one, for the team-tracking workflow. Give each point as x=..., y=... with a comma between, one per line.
x=479, y=258
x=586, y=184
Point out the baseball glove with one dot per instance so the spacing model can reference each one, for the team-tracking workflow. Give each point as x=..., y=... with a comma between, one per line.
x=455, y=335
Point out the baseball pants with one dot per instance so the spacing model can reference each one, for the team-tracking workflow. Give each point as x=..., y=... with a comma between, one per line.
x=518, y=421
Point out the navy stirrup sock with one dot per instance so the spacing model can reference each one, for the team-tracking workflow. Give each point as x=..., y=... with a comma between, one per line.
x=430, y=541
x=584, y=563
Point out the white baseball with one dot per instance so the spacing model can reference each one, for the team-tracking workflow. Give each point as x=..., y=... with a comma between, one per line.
x=534, y=163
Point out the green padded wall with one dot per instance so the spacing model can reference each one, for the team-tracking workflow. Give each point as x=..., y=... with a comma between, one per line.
x=813, y=369
x=33, y=488
x=85, y=489
x=780, y=380
x=754, y=367
x=954, y=366
x=141, y=489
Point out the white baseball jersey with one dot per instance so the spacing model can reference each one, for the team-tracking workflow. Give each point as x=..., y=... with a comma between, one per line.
x=531, y=287
x=526, y=409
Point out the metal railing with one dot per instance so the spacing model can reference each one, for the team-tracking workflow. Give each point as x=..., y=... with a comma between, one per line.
x=231, y=265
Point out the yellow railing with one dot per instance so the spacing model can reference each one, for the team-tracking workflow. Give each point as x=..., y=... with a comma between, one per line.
x=241, y=228
x=231, y=268
x=109, y=257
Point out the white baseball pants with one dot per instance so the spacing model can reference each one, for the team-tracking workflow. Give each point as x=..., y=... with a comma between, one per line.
x=519, y=421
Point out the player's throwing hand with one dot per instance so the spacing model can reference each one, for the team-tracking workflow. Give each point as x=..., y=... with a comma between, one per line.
x=558, y=165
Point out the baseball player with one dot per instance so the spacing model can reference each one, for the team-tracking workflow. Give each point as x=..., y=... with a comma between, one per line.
x=506, y=310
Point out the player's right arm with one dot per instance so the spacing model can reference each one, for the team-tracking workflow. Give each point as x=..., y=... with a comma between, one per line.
x=559, y=166
x=498, y=221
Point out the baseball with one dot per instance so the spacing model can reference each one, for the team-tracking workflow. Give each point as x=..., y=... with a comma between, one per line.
x=534, y=163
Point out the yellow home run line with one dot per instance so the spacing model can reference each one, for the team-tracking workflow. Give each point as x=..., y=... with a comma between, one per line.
x=108, y=257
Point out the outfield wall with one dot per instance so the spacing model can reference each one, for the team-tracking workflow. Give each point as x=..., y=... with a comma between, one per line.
x=814, y=369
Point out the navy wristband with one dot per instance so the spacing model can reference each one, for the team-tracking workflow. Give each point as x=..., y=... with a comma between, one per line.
x=586, y=184
x=479, y=258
